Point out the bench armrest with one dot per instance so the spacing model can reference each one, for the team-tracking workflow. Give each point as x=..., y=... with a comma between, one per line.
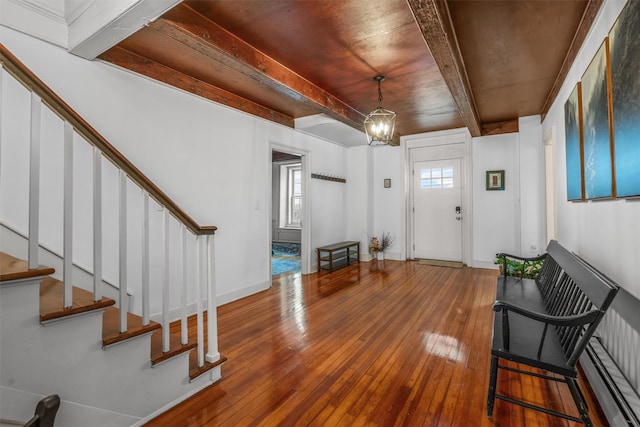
x=572, y=322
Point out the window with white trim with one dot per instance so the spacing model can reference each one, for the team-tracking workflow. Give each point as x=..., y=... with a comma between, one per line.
x=291, y=194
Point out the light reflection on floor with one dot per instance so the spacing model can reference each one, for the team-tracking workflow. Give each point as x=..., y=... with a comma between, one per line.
x=445, y=346
x=292, y=299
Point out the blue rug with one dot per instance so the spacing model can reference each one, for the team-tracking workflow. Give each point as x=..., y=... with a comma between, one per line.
x=285, y=257
x=283, y=265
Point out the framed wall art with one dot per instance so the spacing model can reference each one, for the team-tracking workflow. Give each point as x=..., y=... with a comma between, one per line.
x=495, y=180
x=574, y=147
x=597, y=161
x=624, y=48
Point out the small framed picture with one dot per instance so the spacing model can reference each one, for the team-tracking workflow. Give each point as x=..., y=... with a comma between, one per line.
x=387, y=183
x=495, y=180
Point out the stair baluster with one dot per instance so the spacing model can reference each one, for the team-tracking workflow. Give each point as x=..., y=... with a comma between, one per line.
x=145, y=257
x=122, y=250
x=199, y=293
x=34, y=182
x=184, y=338
x=165, y=283
x=97, y=224
x=67, y=239
x=212, y=319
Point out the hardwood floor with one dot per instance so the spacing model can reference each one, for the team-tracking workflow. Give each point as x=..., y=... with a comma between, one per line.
x=392, y=344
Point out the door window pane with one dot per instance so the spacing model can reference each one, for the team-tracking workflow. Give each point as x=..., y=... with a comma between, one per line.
x=436, y=177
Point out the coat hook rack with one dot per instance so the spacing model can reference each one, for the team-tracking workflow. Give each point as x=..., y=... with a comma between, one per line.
x=328, y=177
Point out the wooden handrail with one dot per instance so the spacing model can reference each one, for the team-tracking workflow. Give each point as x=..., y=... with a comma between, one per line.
x=20, y=71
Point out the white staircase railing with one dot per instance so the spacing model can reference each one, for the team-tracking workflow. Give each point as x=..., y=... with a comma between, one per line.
x=204, y=274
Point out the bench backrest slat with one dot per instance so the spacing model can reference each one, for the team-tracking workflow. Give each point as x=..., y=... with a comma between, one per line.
x=597, y=289
x=571, y=340
x=548, y=276
x=569, y=286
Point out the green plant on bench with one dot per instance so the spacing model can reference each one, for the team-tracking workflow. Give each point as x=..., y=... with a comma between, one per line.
x=527, y=269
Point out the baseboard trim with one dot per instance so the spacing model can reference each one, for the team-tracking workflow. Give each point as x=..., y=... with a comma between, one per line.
x=485, y=264
x=242, y=293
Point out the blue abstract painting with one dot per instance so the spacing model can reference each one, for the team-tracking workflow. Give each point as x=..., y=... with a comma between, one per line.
x=573, y=138
x=625, y=62
x=598, y=169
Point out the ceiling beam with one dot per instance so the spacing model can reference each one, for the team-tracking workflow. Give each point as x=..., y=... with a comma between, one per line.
x=497, y=128
x=434, y=21
x=138, y=64
x=588, y=17
x=196, y=32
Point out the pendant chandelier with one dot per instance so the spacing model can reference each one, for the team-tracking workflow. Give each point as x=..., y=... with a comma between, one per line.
x=379, y=124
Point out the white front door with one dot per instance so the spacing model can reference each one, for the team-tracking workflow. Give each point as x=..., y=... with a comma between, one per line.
x=437, y=210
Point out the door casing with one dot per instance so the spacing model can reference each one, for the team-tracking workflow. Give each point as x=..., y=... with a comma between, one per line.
x=454, y=143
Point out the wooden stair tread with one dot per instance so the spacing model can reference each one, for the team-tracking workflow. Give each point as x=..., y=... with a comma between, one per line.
x=51, y=301
x=195, y=371
x=52, y=307
x=12, y=268
x=111, y=327
x=175, y=347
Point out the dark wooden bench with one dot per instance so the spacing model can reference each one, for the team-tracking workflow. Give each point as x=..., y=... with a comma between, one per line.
x=547, y=322
x=338, y=255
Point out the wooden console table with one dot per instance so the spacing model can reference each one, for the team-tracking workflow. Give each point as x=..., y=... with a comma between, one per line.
x=338, y=255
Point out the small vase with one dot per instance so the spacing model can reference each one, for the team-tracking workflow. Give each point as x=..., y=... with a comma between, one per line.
x=380, y=256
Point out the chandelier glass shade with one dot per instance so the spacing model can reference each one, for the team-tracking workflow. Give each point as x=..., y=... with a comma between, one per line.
x=380, y=123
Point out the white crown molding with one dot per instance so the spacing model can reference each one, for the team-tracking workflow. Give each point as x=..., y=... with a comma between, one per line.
x=84, y=27
x=43, y=8
x=36, y=18
x=73, y=9
x=104, y=24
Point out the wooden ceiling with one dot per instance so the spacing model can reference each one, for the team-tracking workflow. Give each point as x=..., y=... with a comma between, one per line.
x=479, y=64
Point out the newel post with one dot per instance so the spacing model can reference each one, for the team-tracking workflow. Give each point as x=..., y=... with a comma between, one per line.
x=212, y=318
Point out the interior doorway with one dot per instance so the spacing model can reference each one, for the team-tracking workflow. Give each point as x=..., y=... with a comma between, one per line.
x=286, y=212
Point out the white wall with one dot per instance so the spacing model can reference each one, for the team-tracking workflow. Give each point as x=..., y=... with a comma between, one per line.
x=511, y=220
x=359, y=195
x=532, y=190
x=328, y=205
x=496, y=214
x=211, y=160
x=606, y=233
x=372, y=208
x=389, y=203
